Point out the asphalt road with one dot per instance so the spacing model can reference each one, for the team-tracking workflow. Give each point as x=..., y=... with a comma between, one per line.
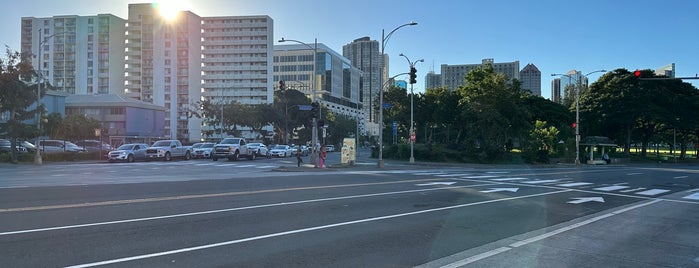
x=245, y=214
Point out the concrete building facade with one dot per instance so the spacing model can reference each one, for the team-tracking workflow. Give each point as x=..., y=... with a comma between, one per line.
x=453, y=76
x=77, y=54
x=530, y=76
x=163, y=66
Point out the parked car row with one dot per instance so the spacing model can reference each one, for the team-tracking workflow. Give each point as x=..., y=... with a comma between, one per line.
x=230, y=148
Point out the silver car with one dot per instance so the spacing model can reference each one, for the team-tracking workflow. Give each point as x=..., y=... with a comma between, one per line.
x=55, y=146
x=128, y=152
x=282, y=151
x=202, y=150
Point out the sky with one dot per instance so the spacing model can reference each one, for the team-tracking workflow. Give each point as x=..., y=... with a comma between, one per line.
x=556, y=36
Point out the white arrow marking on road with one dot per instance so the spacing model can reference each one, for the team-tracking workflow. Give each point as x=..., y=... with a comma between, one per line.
x=436, y=183
x=579, y=200
x=694, y=196
x=493, y=190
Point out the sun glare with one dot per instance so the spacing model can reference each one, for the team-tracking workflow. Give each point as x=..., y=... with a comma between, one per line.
x=169, y=9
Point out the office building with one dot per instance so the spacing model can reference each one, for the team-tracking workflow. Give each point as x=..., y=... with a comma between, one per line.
x=78, y=54
x=163, y=66
x=556, y=90
x=530, y=76
x=570, y=82
x=337, y=82
x=453, y=76
x=433, y=80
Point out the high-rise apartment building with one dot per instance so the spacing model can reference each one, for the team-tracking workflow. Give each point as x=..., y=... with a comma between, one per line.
x=454, y=76
x=237, y=59
x=530, y=76
x=432, y=80
x=337, y=82
x=365, y=54
x=567, y=85
x=163, y=66
x=78, y=54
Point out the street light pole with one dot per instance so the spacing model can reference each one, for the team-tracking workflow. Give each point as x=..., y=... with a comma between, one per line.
x=314, y=134
x=577, y=111
x=384, y=39
x=412, y=130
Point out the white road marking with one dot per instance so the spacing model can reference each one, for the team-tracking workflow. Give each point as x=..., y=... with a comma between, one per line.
x=680, y=177
x=481, y=177
x=225, y=165
x=574, y=184
x=525, y=242
x=653, y=192
x=205, y=164
x=632, y=190
x=509, y=179
x=452, y=175
x=632, y=174
x=694, y=196
x=315, y=228
x=539, y=181
x=611, y=188
x=497, y=172
x=427, y=173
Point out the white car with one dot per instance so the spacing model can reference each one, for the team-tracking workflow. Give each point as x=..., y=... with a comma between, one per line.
x=260, y=149
x=282, y=151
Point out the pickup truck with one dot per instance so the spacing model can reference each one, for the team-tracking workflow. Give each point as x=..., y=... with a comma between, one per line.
x=233, y=149
x=167, y=149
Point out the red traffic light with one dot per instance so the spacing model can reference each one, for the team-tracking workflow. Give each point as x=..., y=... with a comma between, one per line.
x=574, y=125
x=637, y=73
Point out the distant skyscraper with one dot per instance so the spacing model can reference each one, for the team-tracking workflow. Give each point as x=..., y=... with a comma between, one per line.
x=531, y=79
x=556, y=90
x=79, y=54
x=432, y=80
x=365, y=54
x=667, y=70
x=163, y=66
x=454, y=76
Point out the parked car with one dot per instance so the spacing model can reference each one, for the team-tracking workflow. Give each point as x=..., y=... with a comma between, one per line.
x=282, y=151
x=6, y=146
x=94, y=145
x=260, y=149
x=55, y=146
x=168, y=149
x=202, y=150
x=128, y=152
x=329, y=148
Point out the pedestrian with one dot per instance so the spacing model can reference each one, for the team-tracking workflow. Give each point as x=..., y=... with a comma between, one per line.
x=299, y=160
x=606, y=159
x=321, y=157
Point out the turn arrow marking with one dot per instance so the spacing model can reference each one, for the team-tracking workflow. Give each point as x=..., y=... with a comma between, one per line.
x=493, y=190
x=436, y=183
x=579, y=200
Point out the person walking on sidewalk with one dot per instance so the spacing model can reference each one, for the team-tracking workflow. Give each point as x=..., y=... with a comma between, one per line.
x=321, y=157
x=299, y=160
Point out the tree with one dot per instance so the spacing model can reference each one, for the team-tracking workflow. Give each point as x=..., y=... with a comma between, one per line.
x=492, y=113
x=78, y=127
x=15, y=98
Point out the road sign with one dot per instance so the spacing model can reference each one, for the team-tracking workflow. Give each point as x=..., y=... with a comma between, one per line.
x=386, y=105
x=305, y=107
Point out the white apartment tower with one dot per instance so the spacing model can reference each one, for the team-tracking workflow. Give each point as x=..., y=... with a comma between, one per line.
x=163, y=66
x=78, y=54
x=237, y=59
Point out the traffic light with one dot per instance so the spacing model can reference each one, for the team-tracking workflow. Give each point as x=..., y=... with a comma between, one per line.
x=574, y=125
x=637, y=73
x=282, y=85
x=413, y=75
x=314, y=109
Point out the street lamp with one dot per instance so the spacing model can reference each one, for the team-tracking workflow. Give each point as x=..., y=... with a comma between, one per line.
x=384, y=39
x=37, y=154
x=577, y=111
x=412, y=131
x=314, y=135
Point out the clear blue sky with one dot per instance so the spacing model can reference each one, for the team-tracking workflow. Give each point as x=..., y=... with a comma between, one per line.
x=556, y=36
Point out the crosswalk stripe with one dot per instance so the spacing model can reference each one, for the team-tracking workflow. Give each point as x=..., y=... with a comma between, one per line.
x=633, y=190
x=539, y=181
x=611, y=188
x=575, y=184
x=653, y=192
x=509, y=179
x=481, y=177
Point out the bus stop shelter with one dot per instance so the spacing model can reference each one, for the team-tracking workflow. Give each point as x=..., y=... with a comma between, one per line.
x=597, y=141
